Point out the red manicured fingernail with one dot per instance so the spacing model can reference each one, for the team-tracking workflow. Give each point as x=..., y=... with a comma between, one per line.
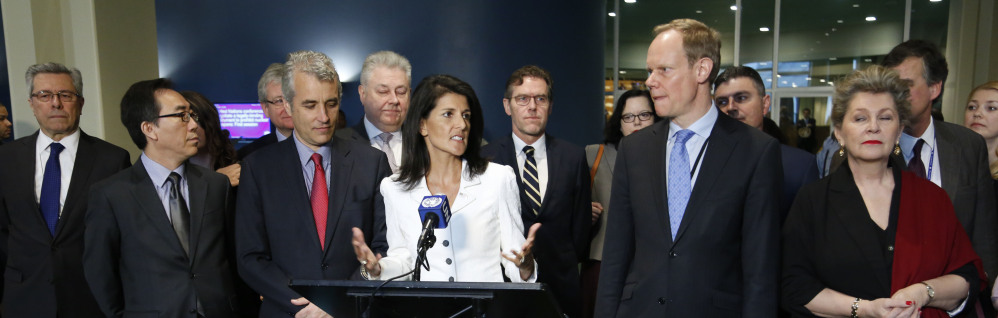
x=908, y=303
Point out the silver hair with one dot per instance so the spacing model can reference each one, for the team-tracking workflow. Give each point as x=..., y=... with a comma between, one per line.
x=386, y=59
x=273, y=74
x=54, y=68
x=308, y=62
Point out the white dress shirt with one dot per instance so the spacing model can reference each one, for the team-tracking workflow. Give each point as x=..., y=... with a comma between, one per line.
x=701, y=131
x=907, y=143
x=373, y=134
x=540, y=156
x=485, y=219
x=67, y=160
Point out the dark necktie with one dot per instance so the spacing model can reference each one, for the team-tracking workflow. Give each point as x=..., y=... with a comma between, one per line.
x=531, y=182
x=679, y=180
x=320, y=199
x=915, y=165
x=179, y=214
x=48, y=201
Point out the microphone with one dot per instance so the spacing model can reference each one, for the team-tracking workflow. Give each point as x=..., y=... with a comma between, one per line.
x=434, y=211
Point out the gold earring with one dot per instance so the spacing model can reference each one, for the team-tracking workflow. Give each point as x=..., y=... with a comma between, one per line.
x=897, y=149
x=842, y=151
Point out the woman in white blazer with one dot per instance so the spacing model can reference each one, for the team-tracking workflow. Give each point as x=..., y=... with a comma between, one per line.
x=484, y=240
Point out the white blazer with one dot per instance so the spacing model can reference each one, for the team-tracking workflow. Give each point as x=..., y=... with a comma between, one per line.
x=485, y=219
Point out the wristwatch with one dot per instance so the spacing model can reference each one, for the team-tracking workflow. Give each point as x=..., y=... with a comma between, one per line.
x=930, y=291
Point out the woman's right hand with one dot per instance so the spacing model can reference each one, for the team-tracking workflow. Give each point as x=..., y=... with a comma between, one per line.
x=887, y=307
x=365, y=256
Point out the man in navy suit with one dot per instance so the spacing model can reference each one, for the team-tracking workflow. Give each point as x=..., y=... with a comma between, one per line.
x=740, y=93
x=554, y=184
x=694, y=222
x=299, y=198
x=44, y=265
x=268, y=90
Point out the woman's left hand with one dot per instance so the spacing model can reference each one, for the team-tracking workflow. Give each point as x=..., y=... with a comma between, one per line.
x=232, y=171
x=524, y=259
x=915, y=293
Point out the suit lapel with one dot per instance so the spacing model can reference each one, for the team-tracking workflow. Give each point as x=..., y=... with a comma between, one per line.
x=24, y=169
x=78, y=184
x=554, y=173
x=660, y=140
x=466, y=195
x=299, y=203
x=197, y=191
x=339, y=182
x=144, y=192
x=721, y=142
x=946, y=148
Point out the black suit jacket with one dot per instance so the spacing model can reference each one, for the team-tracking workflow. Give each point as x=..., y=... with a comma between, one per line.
x=357, y=132
x=725, y=259
x=44, y=274
x=799, y=168
x=257, y=144
x=133, y=260
x=275, y=231
x=566, y=214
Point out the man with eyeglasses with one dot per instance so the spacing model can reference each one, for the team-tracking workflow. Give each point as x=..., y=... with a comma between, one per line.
x=384, y=90
x=43, y=196
x=739, y=92
x=157, y=239
x=272, y=102
x=554, y=184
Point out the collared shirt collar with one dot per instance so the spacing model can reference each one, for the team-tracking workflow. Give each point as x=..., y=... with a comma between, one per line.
x=702, y=127
x=305, y=153
x=279, y=136
x=71, y=142
x=373, y=131
x=907, y=141
x=540, y=146
x=157, y=172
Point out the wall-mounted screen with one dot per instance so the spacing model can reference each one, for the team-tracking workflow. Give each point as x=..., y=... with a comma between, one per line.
x=243, y=120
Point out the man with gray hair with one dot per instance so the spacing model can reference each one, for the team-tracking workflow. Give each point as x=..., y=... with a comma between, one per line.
x=332, y=186
x=272, y=103
x=384, y=90
x=43, y=199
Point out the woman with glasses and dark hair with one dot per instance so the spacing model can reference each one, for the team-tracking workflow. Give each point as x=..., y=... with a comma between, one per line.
x=873, y=240
x=633, y=112
x=214, y=149
x=483, y=241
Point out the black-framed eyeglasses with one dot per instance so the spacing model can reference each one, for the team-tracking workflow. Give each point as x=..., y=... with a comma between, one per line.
x=63, y=96
x=523, y=100
x=276, y=101
x=184, y=116
x=643, y=116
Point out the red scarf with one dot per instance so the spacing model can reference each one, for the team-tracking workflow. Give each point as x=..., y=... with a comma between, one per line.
x=930, y=242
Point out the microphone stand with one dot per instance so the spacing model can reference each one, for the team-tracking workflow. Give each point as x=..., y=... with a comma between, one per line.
x=426, y=241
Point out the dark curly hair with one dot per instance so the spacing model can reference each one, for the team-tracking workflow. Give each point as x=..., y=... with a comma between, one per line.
x=612, y=133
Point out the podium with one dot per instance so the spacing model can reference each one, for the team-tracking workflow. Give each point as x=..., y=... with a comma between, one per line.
x=347, y=298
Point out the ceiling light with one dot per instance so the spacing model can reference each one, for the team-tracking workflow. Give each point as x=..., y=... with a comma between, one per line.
x=834, y=29
x=826, y=33
x=699, y=11
x=734, y=7
x=822, y=80
x=809, y=78
x=764, y=29
x=871, y=18
x=630, y=1
x=855, y=5
x=832, y=58
x=935, y=0
x=831, y=83
x=839, y=21
x=612, y=14
x=868, y=60
x=623, y=72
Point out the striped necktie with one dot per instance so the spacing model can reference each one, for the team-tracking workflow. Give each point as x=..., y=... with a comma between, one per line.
x=531, y=184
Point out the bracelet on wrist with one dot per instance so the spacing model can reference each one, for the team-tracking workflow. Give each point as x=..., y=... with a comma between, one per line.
x=855, y=308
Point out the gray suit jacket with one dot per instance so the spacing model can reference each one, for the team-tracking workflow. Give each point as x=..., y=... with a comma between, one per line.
x=601, y=192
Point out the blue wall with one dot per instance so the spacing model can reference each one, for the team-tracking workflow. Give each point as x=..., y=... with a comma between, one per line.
x=221, y=47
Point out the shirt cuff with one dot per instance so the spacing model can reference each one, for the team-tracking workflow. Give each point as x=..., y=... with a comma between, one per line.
x=959, y=309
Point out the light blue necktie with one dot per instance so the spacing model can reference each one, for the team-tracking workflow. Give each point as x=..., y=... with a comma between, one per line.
x=48, y=201
x=679, y=180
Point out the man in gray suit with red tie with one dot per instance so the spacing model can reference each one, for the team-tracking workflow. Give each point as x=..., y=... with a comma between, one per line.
x=44, y=180
x=694, y=223
x=156, y=242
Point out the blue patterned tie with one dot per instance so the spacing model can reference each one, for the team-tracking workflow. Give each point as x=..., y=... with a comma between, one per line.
x=530, y=180
x=51, y=187
x=679, y=180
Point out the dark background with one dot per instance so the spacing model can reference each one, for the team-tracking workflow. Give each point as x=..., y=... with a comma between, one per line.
x=220, y=48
